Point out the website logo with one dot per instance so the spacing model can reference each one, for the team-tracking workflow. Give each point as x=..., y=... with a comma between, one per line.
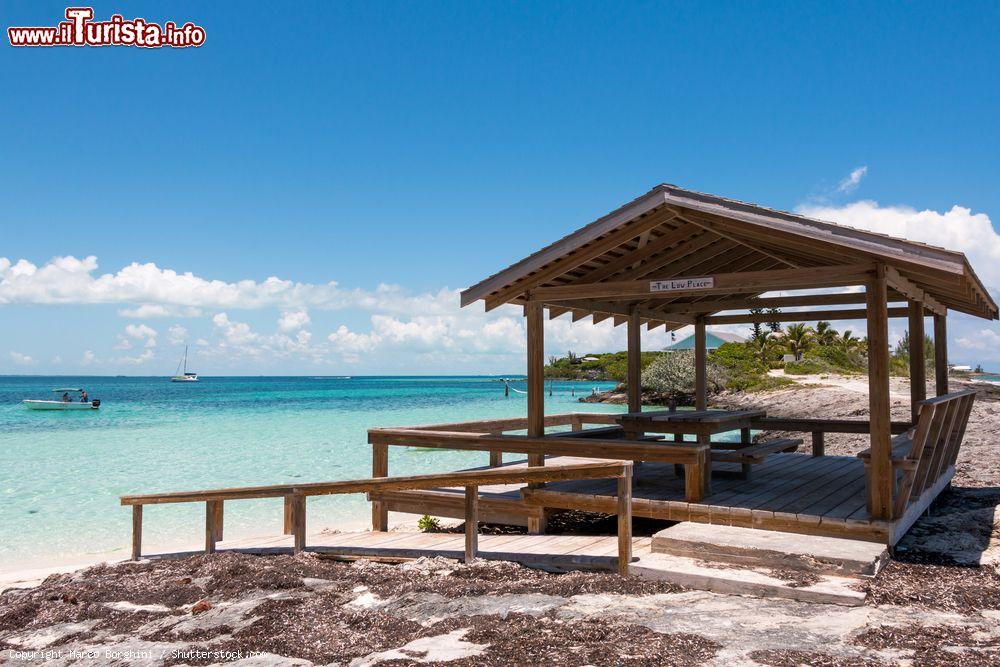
x=79, y=29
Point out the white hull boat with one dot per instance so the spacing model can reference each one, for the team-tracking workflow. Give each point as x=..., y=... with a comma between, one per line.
x=60, y=405
x=185, y=375
x=66, y=403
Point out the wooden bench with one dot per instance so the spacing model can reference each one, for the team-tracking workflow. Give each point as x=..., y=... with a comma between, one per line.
x=925, y=454
x=750, y=453
x=820, y=427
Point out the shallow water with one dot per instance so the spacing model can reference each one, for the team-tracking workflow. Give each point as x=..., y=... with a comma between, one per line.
x=61, y=472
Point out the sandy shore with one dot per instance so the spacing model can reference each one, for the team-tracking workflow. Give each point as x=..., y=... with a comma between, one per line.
x=936, y=603
x=22, y=575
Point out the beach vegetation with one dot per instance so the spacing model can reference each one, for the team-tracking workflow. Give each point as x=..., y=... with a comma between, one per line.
x=429, y=524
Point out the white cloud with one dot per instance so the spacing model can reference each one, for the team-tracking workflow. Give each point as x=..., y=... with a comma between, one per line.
x=139, y=332
x=88, y=358
x=21, y=359
x=176, y=334
x=235, y=334
x=293, y=320
x=982, y=340
x=956, y=229
x=69, y=280
x=151, y=310
x=853, y=180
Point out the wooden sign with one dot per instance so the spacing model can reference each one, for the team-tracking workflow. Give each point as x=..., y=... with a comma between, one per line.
x=681, y=284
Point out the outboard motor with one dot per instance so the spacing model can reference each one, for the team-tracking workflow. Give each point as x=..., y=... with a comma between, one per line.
x=96, y=403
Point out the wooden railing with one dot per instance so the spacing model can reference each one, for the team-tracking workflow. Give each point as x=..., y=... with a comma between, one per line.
x=295, y=499
x=820, y=427
x=490, y=436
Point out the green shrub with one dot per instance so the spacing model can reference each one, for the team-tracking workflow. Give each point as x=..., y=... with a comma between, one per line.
x=672, y=374
x=429, y=524
x=741, y=366
x=837, y=359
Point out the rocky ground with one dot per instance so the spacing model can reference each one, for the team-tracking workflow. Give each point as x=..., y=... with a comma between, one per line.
x=936, y=603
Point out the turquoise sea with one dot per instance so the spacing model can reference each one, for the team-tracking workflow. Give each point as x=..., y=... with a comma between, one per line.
x=61, y=472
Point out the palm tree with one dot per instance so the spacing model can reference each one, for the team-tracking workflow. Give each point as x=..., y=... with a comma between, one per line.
x=761, y=345
x=826, y=334
x=848, y=342
x=798, y=339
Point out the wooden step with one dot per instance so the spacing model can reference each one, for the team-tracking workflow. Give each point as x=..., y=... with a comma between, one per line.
x=750, y=547
x=696, y=574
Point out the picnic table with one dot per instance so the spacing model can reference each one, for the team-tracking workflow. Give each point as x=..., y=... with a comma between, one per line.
x=701, y=423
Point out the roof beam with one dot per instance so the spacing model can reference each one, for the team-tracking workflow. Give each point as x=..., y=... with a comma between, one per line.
x=634, y=258
x=591, y=305
x=801, y=316
x=580, y=257
x=739, y=303
x=722, y=283
x=712, y=227
x=912, y=292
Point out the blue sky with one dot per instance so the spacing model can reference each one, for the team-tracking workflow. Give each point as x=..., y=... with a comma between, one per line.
x=423, y=146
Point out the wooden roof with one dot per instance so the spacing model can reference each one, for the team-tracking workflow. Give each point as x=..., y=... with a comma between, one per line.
x=670, y=232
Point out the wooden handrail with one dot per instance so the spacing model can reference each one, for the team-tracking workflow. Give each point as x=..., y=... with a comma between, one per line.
x=519, y=423
x=295, y=496
x=807, y=425
x=373, y=484
x=615, y=449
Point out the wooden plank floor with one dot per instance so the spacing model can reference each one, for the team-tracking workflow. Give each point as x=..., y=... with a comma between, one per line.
x=553, y=551
x=822, y=495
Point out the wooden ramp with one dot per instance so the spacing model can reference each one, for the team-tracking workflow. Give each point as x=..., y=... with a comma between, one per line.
x=552, y=552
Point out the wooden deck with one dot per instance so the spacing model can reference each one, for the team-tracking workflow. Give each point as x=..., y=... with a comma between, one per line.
x=815, y=495
x=555, y=552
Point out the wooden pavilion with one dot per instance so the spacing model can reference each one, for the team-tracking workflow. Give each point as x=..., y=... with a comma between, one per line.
x=673, y=258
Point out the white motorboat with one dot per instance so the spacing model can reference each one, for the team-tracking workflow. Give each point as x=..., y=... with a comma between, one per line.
x=67, y=401
x=184, y=375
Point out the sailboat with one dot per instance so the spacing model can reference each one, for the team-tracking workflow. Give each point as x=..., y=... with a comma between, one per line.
x=184, y=375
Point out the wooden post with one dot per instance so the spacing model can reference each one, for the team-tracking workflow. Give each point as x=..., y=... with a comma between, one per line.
x=880, y=470
x=746, y=470
x=471, y=523
x=380, y=468
x=918, y=364
x=700, y=366
x=213, y=524
x=536, y=375
x=633, y=378
x=701, y=403
x=941, y=354
x=625, y=521
x=819, y=443
x=136, y=532
x=634, y=370
x=298, y=523
x=288, y=527
x=536, y=391
x=496, y=459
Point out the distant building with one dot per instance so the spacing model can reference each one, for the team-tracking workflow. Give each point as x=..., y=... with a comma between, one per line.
x=713, y=341
x=956, y=368
x=590, y=359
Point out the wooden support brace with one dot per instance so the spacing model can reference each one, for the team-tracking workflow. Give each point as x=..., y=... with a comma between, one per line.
x=213, y=524
x=288, y=528
x=471, y=523
x=818, y=443
x=380, y=468
x=136, y=532
x=625, y=521
x=299, y=523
